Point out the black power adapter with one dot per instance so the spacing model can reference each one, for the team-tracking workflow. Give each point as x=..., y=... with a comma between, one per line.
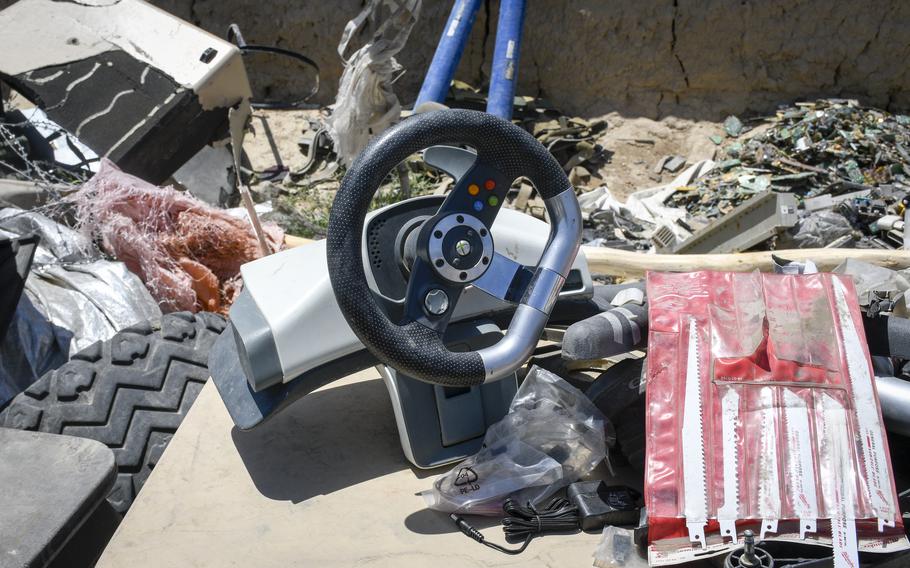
x=590, y=506
x=600, y=504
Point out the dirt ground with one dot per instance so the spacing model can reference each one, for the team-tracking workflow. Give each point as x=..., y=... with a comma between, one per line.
x=274, y=136
x=638, y=144
x=634, y=145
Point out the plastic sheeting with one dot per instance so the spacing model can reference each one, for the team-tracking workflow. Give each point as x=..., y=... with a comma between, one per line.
x=94, y=300
x=869, y=279
x=31, y=347
x=553, y=435
x=58, y=243
x=366, y=104
x=817, y=230
x=72, y=299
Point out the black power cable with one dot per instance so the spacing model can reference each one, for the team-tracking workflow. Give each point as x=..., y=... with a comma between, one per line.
x=236, y=37
x=559, y=515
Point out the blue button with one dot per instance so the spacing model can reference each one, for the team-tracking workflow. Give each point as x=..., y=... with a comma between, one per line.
x=478, y=205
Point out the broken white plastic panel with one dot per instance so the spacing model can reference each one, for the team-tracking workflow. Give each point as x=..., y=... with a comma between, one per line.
x=696, y=497
x=630, y=295
x=769, y=475
x=729, y=512
x=800, y=464
x=869, y=436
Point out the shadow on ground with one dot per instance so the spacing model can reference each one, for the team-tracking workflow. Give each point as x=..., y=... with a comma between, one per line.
x=327, y=441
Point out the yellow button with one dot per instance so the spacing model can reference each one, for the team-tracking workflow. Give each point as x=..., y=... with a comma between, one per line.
x=473, y=189
x=493, y=201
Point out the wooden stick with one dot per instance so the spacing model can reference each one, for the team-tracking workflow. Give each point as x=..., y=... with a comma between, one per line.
x=603, y=260
x=291, y=241
x=237, y=118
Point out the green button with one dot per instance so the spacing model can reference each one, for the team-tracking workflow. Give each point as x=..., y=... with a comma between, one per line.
x=493, y=201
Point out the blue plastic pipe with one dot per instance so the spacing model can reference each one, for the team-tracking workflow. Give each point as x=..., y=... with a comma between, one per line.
x=448, y=53
x=505, y=58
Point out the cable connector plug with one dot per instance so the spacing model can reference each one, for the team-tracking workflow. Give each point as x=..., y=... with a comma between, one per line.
x=466, y=528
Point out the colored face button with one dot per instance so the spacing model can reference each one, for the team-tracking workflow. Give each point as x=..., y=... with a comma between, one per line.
x=493, y=201
x=473, y=189
x=478, y=205
x=490, y=185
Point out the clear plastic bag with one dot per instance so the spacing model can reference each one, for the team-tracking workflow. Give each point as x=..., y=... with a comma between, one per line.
x=616, y=549
x=366, y=104
x=817, y=230
x=552, y=436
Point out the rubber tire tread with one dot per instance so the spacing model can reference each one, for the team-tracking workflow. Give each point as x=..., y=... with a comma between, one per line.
x=130, y=393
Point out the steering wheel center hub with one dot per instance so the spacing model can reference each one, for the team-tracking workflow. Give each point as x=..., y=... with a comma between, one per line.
x=463, y=248
x=460, y=248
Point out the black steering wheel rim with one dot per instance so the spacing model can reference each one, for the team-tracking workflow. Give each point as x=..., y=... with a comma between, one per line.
x=413, y=348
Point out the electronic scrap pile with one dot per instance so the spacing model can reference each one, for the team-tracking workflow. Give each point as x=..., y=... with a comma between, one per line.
x=840, y=168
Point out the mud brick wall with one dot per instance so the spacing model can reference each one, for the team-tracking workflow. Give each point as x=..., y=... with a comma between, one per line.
x=693, y=58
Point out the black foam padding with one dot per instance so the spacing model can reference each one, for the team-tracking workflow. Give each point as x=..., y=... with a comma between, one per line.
x=599, y=336
x=412, y=348
x=888, y=336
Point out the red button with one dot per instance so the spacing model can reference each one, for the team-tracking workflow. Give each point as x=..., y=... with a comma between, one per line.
x=489, y=184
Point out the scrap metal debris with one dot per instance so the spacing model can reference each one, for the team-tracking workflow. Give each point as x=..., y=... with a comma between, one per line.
x=848, y=166
x=302, y=191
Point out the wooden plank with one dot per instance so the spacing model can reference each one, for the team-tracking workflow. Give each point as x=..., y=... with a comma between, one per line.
x=603, y=260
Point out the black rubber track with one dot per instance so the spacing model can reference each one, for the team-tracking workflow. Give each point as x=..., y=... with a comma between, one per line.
x=130, y=393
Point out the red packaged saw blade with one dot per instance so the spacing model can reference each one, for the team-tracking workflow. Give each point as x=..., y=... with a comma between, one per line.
x=763, y=414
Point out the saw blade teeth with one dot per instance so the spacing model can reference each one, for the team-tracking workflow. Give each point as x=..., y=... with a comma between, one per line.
x=800, y=469
x=730, y=413
x=768, y=482
x=729, y=512
x=735, y=456
x=872, y=456
x=693, y=455
x=839, y=485
x=695, y=353
x=762, y=480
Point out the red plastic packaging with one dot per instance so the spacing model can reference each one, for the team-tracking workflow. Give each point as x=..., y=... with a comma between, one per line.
x=787, y=356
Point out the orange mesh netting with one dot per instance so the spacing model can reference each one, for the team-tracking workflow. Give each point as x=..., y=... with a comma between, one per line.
x=188, y=253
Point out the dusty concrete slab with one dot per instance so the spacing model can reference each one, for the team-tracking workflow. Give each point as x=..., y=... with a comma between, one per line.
x=324, y=484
